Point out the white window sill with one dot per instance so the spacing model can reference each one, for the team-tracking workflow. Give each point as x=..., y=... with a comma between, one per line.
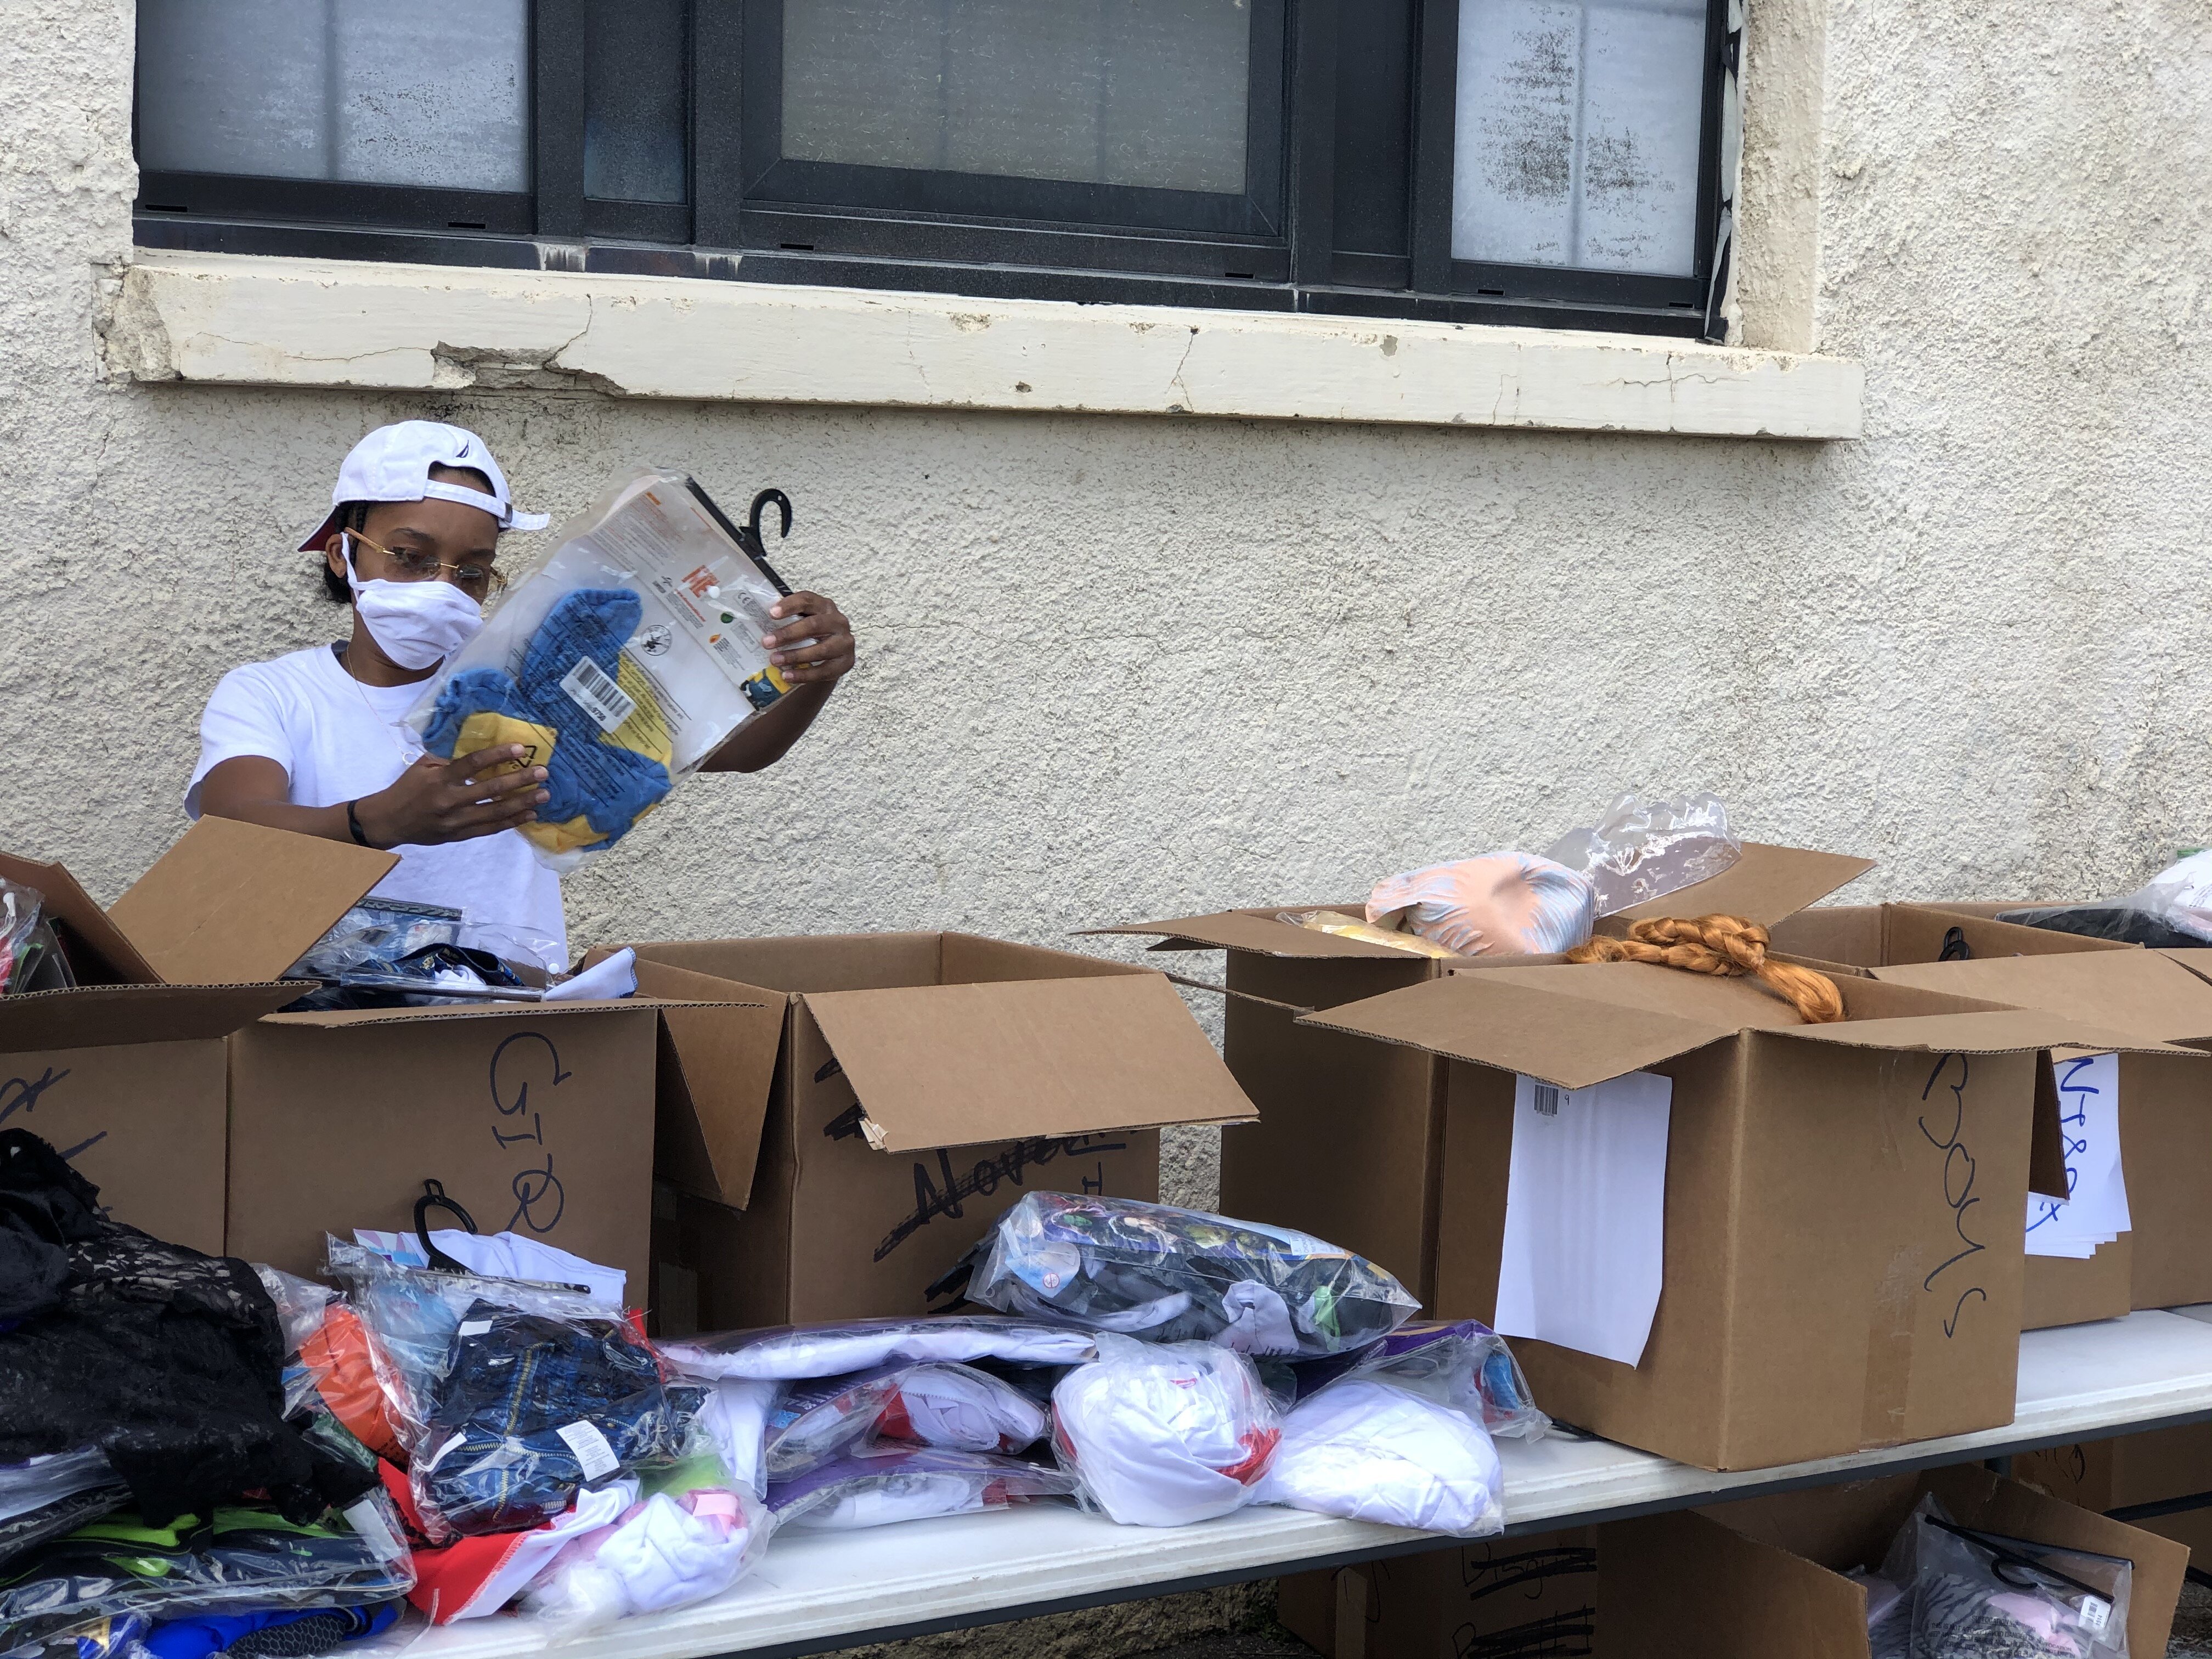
x=237, y=320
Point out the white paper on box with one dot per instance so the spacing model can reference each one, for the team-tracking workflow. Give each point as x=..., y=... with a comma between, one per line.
x=1586, y=1214
x=2095, y=1211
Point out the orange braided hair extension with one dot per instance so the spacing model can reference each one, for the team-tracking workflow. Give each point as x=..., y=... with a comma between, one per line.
x=1726, y=946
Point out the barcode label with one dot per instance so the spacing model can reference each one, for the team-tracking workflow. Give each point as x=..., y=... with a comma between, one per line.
x=2096, y=1612
x=589, y=688
x=1544, y=1098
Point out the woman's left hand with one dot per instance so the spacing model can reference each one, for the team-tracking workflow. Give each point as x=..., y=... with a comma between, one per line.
x=815, y=645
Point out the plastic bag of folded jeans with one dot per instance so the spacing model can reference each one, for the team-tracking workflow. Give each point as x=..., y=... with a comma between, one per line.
x=1163, y=1434
x=1459, y=1363
x=621, y=661
x=238, y=1559
x=918, y=1485
x=896, y=1407
x=1119, y=1264
x=509, y=1397
x=1643, y=850
x=1988, y=1596
x=2172, y=911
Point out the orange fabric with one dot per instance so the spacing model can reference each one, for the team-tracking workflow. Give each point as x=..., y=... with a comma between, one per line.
x=337, y=1357
x=1724, y=945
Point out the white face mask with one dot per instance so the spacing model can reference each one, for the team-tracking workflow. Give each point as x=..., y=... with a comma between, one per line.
x=417, y=624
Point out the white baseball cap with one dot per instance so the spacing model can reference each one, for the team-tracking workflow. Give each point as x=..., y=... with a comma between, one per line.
x=393, y=463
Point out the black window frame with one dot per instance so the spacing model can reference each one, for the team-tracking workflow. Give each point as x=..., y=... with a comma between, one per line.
x=752, y=215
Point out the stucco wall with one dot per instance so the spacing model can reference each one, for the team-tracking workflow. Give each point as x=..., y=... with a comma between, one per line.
x=1114, y=667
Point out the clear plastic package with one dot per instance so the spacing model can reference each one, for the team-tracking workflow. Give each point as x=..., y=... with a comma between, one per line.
x=329, y=1363
x=1461, y=1363
x=2172, y=910
x=1366, y=1450
x=1998, y=1597
x=851, y=1492
x=1163, y=1434
x=668, y=1552
x=624, y=658
x=733, y=1419
x=1500, y=904
x=19, y=919
x=1643, y=850
x=896, y=1408
x=238, y=1559
x=1114, y=1264
x=841, y=1347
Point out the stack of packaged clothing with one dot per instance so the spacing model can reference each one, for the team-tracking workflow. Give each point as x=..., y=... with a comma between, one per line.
x=1160, y=1365
x=157, y=1490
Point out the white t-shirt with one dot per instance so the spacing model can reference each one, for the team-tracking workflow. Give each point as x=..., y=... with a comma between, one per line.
x=338, y=740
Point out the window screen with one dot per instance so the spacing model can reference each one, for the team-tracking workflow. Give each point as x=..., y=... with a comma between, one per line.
x=1113, y=92
x=1578, y=130
x=386, y=92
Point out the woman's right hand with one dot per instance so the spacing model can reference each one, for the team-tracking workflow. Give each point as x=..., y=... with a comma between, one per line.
x=439, y=800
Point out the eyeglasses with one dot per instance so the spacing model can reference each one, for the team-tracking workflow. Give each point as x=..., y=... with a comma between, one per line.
x=478, y=580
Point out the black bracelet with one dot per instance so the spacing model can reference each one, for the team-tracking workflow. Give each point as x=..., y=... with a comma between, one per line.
x=353, y=822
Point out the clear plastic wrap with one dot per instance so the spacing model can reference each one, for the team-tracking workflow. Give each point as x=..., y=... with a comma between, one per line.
x=1114, y=1264
x=853, y=1492
x=377, y=933
x=531, y=1408
x=19, y=919
x=1990, y=1596
x=841, y=1347
x=1461, y=1363
x=951, y=1407
x=621, y=660
x=1643, y=850
x=506, y=1256
x=2172, y=910
x=239, y=1558
x=1336, y=924
x=412, y=1313
x=1500, y=904
x=668, y=1552
x=733, y=1419
x=1162, y=1435
x=1364, y=1449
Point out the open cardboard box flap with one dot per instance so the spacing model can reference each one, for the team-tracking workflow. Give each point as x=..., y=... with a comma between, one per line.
x=956, y=1065
x=98, y=952
x=107, y=1016
x=1579, y=1025
x=233, y=903
x=1765, y=885
x=2139, y=992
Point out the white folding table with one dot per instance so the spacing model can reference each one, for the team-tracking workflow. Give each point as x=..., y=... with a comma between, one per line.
x=814, y=1592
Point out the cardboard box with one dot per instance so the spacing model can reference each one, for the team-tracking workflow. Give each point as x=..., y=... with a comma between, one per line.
x=538, y=1117
x=1535, y=1596
x=2057, y=1290
x=1346, y=1143
x=2159, y=1467
x=901, y=1092
x=1844, y=1203
x=124, y=1075
x=2166, y=1100
x=1764, y=1577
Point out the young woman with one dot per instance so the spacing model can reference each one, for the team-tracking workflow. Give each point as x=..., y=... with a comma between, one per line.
x=314, y=742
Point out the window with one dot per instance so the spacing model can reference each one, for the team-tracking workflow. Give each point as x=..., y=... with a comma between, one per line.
x=1561, y=161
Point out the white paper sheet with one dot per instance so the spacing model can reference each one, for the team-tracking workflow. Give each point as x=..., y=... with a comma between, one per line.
x=1586, y=1214
x=2096, y=1211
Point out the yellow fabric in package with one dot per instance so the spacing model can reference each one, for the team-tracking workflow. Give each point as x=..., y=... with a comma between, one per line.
x=646, y=732
x=1343, y=926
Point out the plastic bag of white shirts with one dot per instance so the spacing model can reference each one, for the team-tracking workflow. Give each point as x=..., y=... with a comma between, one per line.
x=1461, y=1363
x=1364, y=1450
x=1163, y=1435
x=668, y=1551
